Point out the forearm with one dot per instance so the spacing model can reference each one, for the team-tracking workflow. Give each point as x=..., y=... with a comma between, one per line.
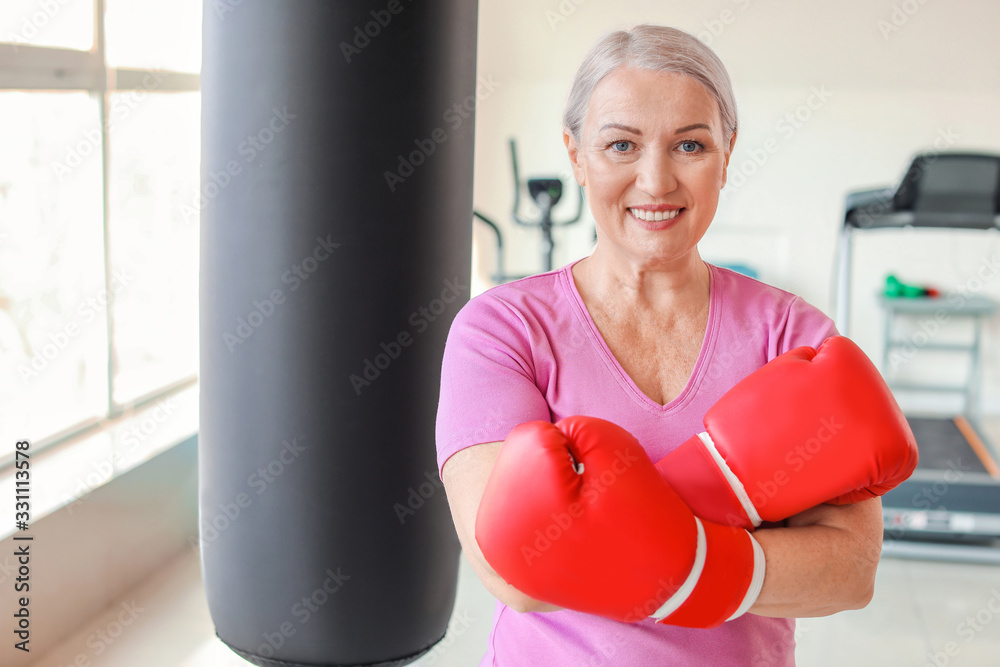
x=822, y=563
x=503, y=591
x=465, y=475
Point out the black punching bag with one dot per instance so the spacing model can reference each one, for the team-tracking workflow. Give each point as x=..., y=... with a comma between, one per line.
x=336, y=213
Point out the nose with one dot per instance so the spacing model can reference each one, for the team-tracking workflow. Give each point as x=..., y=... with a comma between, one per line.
x=656, y=176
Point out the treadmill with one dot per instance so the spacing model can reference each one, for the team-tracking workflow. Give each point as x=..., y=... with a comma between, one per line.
x=949, y=509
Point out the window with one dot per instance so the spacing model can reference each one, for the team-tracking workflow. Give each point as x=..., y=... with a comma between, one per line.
x=99, y=151
x=62, y=23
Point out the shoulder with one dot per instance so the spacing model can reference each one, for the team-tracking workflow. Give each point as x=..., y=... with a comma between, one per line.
x=522, y=304
x=750, y=292
x=786, y=319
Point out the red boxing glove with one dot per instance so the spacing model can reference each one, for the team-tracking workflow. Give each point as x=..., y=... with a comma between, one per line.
x=576, y=514
x=812, y=426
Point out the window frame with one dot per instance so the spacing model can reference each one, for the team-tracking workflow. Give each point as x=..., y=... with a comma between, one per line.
x=42, y=68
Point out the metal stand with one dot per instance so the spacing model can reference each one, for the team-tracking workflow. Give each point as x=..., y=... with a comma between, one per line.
x=935, y=313
x=949, y=509
x=546, y=193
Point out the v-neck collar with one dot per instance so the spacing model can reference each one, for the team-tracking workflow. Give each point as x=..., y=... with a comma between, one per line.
x=704, y=354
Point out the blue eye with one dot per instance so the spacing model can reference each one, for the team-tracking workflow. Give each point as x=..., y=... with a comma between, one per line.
x=695, y=146
x=621, y=145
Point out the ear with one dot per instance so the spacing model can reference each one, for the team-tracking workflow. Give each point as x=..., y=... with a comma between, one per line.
x=725, y=166
x=574, y=157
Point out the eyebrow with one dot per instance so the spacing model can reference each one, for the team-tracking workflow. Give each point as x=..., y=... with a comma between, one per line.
x=635, y=131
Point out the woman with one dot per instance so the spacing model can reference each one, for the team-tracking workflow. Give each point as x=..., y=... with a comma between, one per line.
x=647, y=335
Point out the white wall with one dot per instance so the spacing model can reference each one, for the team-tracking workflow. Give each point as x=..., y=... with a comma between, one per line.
x=898, y=77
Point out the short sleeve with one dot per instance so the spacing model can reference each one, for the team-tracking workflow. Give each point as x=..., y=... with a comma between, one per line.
x=487, y=378
x=804, y=324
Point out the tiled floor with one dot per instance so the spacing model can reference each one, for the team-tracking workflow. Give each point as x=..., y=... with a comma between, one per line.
x=920, y=609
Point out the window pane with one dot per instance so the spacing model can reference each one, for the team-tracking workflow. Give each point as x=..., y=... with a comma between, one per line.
x=64, y=23
x=154, y=35
x=155, y=157
x=53, y=333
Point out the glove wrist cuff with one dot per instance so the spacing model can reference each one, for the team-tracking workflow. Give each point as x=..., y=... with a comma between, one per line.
x=728, y=581
x=736, y=487
x=682, y=594
x=703, y=480
x=756, y=583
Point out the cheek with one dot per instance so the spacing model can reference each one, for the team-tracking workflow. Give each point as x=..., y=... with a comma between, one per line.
x=602, y=170
x=711, y=176
x=608, y=181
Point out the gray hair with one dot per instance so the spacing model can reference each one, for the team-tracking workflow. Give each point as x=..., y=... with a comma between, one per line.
x=652, y=47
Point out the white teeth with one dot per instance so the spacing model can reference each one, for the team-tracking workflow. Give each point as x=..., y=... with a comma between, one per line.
x=654, y=216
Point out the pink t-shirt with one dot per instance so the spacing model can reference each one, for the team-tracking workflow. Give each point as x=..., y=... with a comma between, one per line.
x=529, y=350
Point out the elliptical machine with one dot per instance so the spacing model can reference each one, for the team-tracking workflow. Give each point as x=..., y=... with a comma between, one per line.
x=546, y=192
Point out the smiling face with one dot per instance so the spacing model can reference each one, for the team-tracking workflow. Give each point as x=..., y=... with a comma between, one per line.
x=652, y=156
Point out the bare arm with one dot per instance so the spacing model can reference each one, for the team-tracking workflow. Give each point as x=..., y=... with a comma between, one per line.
x=823, y=562
x=465, y=475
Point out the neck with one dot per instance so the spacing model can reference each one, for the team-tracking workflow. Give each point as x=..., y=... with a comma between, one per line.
x=667, y=286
